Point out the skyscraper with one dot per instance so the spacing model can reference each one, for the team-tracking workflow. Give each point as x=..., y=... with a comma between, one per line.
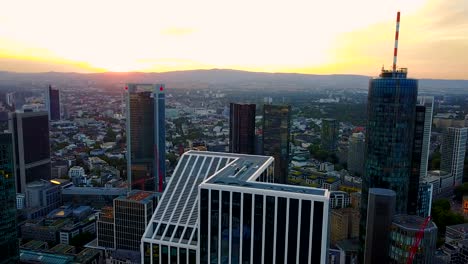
x=31, y=147
x=428, y=103
x=453, y=151
x=146, y=137
x=356, y=152
x=242, y=128
x=9, y=248
x=381, y=208
x=415, y=177
x=329, y=135
x=276, y=133
x=225, y=208
x=53, y=103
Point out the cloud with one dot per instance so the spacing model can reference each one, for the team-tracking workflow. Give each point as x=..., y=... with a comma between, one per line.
x=177, y=31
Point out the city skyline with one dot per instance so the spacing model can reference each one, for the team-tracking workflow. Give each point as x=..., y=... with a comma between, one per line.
x=293, y=39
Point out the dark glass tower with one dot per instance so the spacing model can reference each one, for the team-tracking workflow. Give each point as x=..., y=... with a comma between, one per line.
x=53, y=103
x=9, y=250
x=389, y=138
x=146, y=137
x=31, y=147
x=418, y=136
x=329, y=135
x=276, y=131
x=242, y=128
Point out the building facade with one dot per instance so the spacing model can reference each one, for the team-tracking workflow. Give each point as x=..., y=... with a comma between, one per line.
x=356, y=151
x=453, y=151
x=329, y=135
x=403, y=236
x=232, y=211
x=242, y=128
x=53, y=103
x=9, y=248
x=276, y=137
x=344, y=224
x=416, y=158
x=428, y=103
x=146, y=137
x=31, y=147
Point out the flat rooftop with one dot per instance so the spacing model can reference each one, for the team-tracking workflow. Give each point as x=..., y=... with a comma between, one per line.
x=138, y=196
x=412, y=222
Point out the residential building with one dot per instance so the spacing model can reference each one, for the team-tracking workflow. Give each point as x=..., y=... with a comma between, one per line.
x=403, y=233
x=453, y=151
x=356, y=152
x=276, y=137
x=329, y=135
x=9, y=250
x=381, y=208
x=242, y=128
x=231, y=210
x=32, y=149
x=146, y=137
x=344, y=224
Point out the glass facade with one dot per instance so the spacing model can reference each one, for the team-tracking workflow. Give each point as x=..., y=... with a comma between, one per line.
x=146, y=139
x=54, y=104
x=418, y=136
x=391, y=109
x=242, y=128
x=329, y=135
x=9, y=248
x=276, y=136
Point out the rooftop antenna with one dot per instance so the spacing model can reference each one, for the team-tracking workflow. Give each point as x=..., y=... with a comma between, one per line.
x=395, y=51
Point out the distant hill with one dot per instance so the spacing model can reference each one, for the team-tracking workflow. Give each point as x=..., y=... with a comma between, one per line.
x=226, y=79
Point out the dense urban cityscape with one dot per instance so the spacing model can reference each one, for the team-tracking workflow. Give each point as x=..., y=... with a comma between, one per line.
x=233, y=166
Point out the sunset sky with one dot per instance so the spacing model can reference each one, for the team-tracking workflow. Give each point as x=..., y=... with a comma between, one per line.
x=304, y=36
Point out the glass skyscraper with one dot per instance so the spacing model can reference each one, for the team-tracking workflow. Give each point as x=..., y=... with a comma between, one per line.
x=389, y=137
x=242, y=128
x=53, y=103
x=276, y=132
x=329, y=135
x=146, y=137
x=9, y=250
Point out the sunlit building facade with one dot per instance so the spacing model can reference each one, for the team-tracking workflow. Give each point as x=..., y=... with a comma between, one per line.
x=146, y=137
x=276, y=137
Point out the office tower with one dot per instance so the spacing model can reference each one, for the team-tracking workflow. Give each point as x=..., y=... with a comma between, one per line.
x=276, y=133
x=10, y=100
x=9, y=248
x=53, y=103
x=424, y=199
x=356, y=152
x=131, y=215
x=242, y=128
x=222, y=207
x=428, y=103
x=415, y=176
x=105, y=228
x=32, y=149
x=403, y=235
x=146, y=137
x=329, y=135
x=453, y=152
x=41, y=198
x=381, y=208
x=344, y=224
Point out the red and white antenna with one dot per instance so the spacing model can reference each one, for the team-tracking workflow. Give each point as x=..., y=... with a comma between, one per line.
x=395, y=51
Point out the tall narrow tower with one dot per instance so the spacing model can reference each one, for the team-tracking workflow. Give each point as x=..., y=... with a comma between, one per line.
x=146, y=137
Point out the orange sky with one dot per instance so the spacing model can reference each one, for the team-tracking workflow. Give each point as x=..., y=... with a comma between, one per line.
x=304, y=36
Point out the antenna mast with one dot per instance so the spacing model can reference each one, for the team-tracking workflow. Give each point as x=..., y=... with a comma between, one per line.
x=395, y=51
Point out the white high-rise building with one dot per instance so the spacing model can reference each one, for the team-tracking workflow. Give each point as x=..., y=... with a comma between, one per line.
x=428, y=103
x=225, y=208
x=453, y=152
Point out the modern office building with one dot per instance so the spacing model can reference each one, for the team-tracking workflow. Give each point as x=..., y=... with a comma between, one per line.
x=9, y=248
x=453, y=151
x=415, y=176
x=105, y=228
x=428, y=103
x=403, y=236
x=276, y=136
x=381, y=208
x=41, y=198
x=53, y=103
x=146, y=137
x=356, y=151
x=242, y=128
x=389, y=138
x=226, y=208
x=329, y=135
x=424, y=199
x=31, y=147
x=96, y=197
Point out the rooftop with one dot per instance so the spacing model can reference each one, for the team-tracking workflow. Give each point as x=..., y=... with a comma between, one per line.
x=138, y=196
x=412, y=222
x=73, y=190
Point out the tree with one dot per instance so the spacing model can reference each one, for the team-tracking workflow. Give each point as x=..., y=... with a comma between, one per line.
x=443, y=216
